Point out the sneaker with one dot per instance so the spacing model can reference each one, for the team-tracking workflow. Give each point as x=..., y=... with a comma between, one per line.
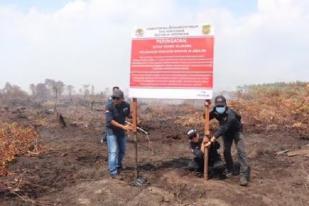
x=218, y=165
x=229, y=174
x=116, y=177
x=199, y=174
x=243, y=181
x=222, y=176
x=119, y=170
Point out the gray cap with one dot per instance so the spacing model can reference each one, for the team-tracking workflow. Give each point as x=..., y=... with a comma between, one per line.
x=117, y=93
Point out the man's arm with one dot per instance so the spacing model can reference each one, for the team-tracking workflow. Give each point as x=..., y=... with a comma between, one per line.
x=224, y=127
x=121, y=126
x=109, y=119
x=108, y=115
x=204, y=143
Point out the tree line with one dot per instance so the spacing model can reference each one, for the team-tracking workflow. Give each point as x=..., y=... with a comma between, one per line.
x=50, y=89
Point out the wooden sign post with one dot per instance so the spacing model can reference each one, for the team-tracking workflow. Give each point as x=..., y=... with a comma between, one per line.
x=206, y=133
x=134, y=124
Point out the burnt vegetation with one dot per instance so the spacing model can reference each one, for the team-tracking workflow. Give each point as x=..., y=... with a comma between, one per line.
x=50, y=152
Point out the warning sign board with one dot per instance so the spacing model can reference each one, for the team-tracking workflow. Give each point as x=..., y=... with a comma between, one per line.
x=173, y=62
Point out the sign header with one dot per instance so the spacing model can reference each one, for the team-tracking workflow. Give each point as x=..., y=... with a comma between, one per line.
x=172, y=62
x=173, y=31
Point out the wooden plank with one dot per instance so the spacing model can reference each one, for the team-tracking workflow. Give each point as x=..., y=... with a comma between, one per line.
x=282, y=152
x=134, y=124
x=206, y=132
x=304, y=152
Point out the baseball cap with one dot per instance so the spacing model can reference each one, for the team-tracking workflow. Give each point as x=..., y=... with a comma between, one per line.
x=117, y=94
x=220, y=101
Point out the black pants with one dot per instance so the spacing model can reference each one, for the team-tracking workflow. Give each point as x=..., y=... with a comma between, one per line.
x=215, y=163
x=238, y=138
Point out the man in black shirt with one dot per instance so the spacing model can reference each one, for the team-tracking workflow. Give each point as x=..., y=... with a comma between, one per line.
x=115, y=115
x=109, y=101
x=215, y=164
x=231, y=130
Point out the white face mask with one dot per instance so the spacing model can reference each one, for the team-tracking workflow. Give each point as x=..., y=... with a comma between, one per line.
x=220, y=110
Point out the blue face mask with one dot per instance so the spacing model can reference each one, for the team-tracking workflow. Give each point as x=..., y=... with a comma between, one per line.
x=220, y=110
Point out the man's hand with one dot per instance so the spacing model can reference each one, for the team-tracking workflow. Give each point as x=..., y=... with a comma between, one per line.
x=205, y=139
x=205, y=143
x=213, y=139
x=128, y=128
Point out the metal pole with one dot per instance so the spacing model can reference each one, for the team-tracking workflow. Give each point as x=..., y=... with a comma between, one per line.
x=134, y=124
x=206, y=132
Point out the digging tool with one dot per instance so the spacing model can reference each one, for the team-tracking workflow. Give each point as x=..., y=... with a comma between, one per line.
x=141, y=130
x=134, y=124
x=138, y=181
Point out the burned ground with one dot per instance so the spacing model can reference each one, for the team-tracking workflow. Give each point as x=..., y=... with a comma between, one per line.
x=71, y=168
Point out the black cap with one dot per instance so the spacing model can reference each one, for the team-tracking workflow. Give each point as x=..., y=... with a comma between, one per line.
x=191, y=133
x=117, y=93
x=220, y=101
x=115, y=88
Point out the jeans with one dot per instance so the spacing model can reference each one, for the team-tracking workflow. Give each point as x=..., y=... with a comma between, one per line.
x=238, y=138
x=116, y=150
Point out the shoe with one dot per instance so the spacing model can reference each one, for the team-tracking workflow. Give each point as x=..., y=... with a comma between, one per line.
x=199, y=174
x=228, y=173
x=218, y=165
x=119, y=170
x=243, y=181
x=222, y=176
x=116, y=177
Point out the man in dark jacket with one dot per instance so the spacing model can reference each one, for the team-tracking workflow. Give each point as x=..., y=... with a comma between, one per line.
x=115, y=115
x=109, y=101
x=231, y=130
x=215, y=164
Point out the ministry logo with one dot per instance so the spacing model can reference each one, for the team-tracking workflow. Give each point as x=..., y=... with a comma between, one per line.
x=206, y=29
x=139, y=32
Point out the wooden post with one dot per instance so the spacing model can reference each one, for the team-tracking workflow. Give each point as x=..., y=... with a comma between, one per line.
x=134, y=124
x=206, y=132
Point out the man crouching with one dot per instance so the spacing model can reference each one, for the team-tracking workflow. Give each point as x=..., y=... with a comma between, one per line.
x=216, y=167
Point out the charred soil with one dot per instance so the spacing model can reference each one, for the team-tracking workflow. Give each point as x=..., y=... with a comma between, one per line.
x=71, y=168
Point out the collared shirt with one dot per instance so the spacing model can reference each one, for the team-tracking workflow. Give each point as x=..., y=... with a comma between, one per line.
x=117, y=113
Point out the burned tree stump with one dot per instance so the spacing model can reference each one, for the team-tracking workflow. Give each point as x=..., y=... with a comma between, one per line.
x=61, y=120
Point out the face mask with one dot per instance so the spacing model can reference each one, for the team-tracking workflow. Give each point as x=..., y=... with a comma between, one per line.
x=220, y=110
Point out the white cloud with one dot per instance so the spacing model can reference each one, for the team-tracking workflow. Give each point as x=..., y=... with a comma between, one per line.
x=265, y=46
x=89, y=41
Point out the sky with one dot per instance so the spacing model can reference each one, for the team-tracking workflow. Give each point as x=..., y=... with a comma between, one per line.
x=88, y=41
